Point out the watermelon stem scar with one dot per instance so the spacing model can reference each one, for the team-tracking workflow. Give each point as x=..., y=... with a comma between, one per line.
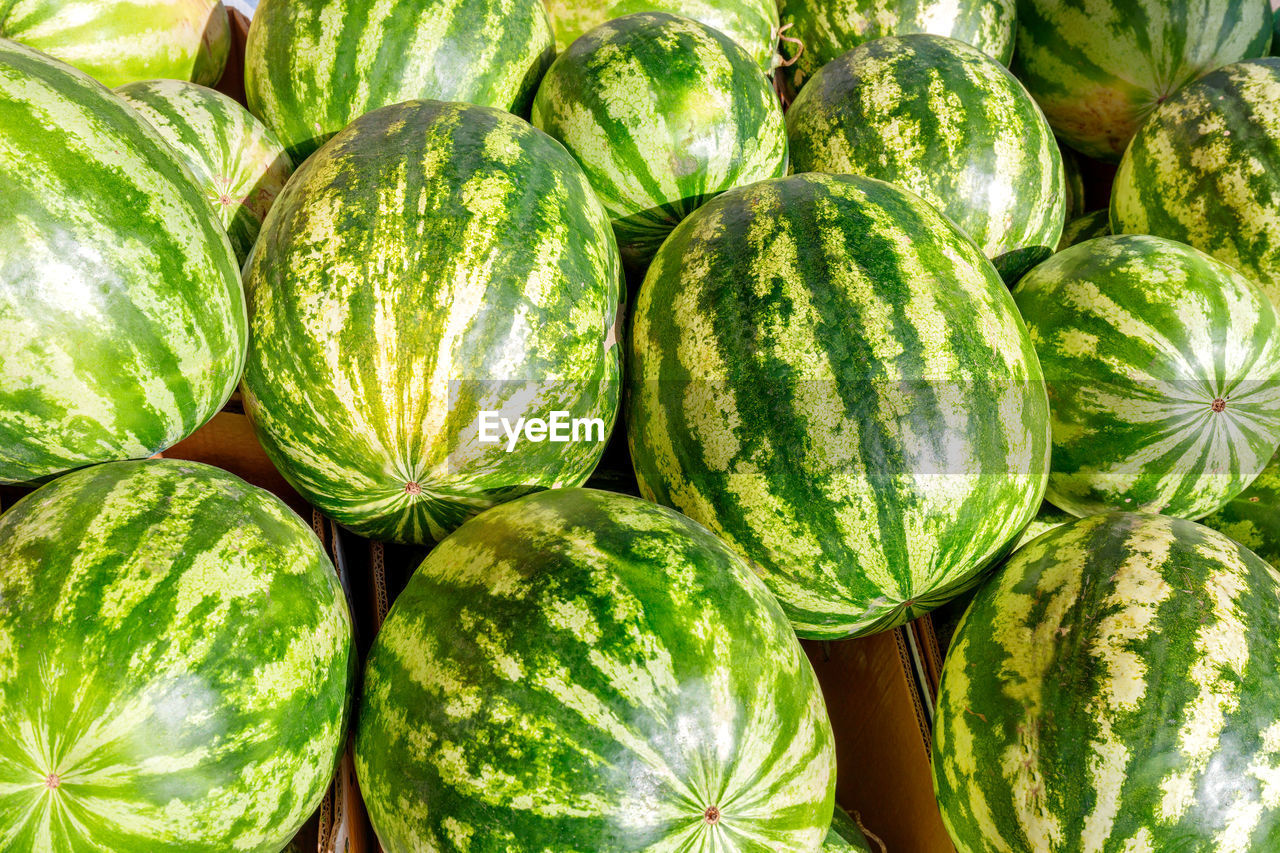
x=712, y=815
x=52, y=781
x=412, y=488
x=1219, y=405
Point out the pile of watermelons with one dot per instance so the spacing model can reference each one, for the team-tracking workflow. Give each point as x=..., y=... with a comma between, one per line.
x=832, y=287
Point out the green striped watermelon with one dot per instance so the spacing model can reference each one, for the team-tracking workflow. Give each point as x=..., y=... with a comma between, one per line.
x=753, y=24
x=584, y=671
x=120, y=41
x=817, y=31
x=1114, y=689
x=238, y=162
x=663, y=113
x=122, y=321
x=1075, y=183
x=845, y=836
x=175, y=661
x=1163, y=367
x=1087, y=227
x=1098, y=69
x=1252, y=517
x=314, y=66
x=1046, y=519
x=831, y=377
x=940, y=118
x=1205, y=170
x=432, y=263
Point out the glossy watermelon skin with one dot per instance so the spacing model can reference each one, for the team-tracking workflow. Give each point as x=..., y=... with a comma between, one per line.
x=1087, y=227
x=176, y=661
x=810, y=400
x=663, y=113
x=829, y=28
x=1163, y=367
x=1187, y=179
x=844, y=835
x=121, y=41
x=753, y=24
x=122, y=320
x=1114, y=688
x=434, y=261
x=239, y=164
x=1252, y=517
x=314, y=66
x=1099, y=69
x=581, y=670
x=936, y=116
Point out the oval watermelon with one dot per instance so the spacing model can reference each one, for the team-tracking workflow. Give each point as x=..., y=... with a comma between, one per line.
x=579, y=670
x=434, y=269
x=935, y=116
x=663, y=113
x=1205, y=170
x=1087, y=227
x=831, y=377
x=817, y=31
x=175, y=661
x=1163, y=366
x=845, y=836
x=1098, y=69
x=120, y=41
x=314, y=66
x=238, y=162
x=753, y=24
x=1252, y=517
x=1114, y=688
x=122, y=320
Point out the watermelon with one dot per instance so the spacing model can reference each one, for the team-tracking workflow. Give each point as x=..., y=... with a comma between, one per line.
x=584, y=671
x=1205, y=170
x=753, y=24
x=936, y=116
x=1098, y=69
x=1252, y=517
x=239, y=164
x=845, y=836
x=663, y=113
x=175, y=661
x=122, y=321
x=314, y=66
x=817, y=31
x=120, y=41
x=829, y=375
x=433, y=268
x=1046, y=519
x=1275, y=31
x=1163, y=366
x=1114, y=689
x=1087, y=227
x=1075, y=183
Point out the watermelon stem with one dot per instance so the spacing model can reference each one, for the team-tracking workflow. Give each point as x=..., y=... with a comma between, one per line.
x=712, y=815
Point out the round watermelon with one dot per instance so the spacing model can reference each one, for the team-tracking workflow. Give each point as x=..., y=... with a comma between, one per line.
x=314, y=66
x=663, y=113
x=1252, y=517
x=830, y=376
x=1163, y=367
x=753, y=24
x=844, y=835
x=120, y=41
x=436, y=275
x=1087, y=227
x=1099, y=69
x=936, y=116
x=238, y=162
x=122, y=320
x=1205, y=170
x=583, y=671
x=817, y=31
x=1074, y=183
x=175, y=661
x=1114, y=689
